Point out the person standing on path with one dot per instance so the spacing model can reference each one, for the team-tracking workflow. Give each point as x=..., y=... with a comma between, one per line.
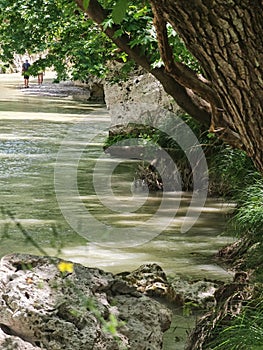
x=41, y=71
x=40, y=77
x=25, y=68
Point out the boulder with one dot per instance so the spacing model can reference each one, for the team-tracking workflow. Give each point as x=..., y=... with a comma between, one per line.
x=130, y=101
x=49, y=307
x=151, y=280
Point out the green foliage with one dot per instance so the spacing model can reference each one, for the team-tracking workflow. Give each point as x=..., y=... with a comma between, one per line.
x=235, y=177
x=72, y=43
x=246, y=330
x=248, y=218
x=246, y=187
x=119, y=11
x=188, y=308
x=38, y=66
x=230, y=169
x=181, y=54
x=85, y=4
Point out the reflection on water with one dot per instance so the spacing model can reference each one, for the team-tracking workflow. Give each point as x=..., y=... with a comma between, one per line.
x=31, y=131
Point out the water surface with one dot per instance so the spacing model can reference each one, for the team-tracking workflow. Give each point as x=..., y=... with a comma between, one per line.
x=33, y=125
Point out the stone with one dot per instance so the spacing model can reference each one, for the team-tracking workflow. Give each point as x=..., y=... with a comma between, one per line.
x=199, y=294
x=42, y=307
x=131, y=100
x=151, y=280
x=10, y=342
x=141, y=104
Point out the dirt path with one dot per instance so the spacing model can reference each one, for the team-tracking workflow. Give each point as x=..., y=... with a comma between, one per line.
x=66, y=89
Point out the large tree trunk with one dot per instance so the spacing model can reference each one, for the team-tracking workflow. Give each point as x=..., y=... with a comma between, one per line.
x=227, y=38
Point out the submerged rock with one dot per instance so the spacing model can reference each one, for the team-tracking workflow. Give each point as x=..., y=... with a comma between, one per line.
x=42, y=307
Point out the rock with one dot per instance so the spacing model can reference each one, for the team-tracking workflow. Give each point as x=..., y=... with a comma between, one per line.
x=137, y=106
x=129, y=101
x=41, y=307
x=200, y=294
x=231, y=299
x=95, y=87
x=151, y=280
x=10, y=342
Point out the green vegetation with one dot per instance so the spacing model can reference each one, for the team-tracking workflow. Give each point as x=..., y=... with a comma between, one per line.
x=58, y=30
x=247, y=224
x=72, y=44
x=248, y=219
x=245, y=331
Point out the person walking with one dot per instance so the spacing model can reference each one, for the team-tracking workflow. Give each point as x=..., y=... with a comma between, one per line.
x=25, y=73
x=40, y=76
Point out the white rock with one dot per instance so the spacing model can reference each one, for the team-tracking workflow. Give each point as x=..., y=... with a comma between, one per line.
x=42, y=308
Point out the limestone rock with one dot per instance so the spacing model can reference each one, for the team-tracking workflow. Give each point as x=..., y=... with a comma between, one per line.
x=42, y=307
x=129, y=101
x=10, y=342
x=199, y=293
x=151, y=280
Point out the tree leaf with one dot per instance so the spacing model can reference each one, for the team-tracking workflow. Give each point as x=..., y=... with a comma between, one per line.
x=85, y=4
x=119, y=11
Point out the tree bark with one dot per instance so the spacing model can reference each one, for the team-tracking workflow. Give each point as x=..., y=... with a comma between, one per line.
x=226, y=37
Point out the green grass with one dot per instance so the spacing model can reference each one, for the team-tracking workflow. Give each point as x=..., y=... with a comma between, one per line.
x=245, y=331
x=248, y=218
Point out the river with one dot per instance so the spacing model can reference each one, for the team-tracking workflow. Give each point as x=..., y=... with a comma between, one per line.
x=34, y=123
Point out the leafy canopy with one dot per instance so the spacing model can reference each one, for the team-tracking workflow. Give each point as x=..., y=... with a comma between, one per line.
x=72, y=43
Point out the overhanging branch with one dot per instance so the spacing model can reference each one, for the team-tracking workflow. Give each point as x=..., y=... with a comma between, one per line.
x=172, y=86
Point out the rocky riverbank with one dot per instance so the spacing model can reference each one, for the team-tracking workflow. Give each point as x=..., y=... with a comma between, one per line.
x=47, y=303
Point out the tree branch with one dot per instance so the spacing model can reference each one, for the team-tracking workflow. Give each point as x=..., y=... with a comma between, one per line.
x=185, y=98
x=172, y=86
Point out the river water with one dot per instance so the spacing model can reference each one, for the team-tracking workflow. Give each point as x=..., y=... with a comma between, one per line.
x=39, y=129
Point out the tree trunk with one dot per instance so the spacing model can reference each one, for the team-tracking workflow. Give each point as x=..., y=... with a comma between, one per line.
x=226, y=37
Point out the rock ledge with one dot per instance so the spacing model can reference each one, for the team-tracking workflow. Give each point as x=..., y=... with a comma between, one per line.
x=43, y=308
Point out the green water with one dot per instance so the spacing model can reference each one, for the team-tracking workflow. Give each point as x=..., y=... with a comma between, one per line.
x=33, y=125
